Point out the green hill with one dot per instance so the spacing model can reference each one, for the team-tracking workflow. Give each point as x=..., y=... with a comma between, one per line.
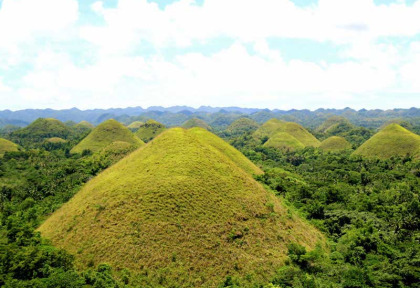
x=393, y=140
x=84, y=125
x=55, y=140
x=284, y=141
x=104, y=134
x=242, y=126
x=150, y=130
x=40, y=130
x=181, y=213
x=273, y=126
x=134, y=126
x=335, y=125
x=335, y=143
x=7, y=146
x=195, y=122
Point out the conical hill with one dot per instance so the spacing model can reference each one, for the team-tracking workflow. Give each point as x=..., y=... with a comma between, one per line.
x=273, y=126
x=241, y=126
x=284, y=141
x=150, y=130
x=334, y=125
x=180, y=212
x=7, y=146
x=195, y=122
x=42, y=129
x=335, y=143
x=134, y=126
x=393, y=140
x=105, y=134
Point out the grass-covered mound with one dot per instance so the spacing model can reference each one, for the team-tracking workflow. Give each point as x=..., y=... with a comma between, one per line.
x=104, y=134
x=335, y=143
x=242, y=126
x=40, y=130
x=181, y=213
x=273, y=126
x=335, y=125
x=55, y=140
x=284, y=141
x=150, y=130
x=195, y=122
x=393, y=140
x=7, y=146
x=134, y=126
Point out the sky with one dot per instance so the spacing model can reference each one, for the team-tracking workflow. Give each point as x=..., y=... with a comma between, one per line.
x=284, y=54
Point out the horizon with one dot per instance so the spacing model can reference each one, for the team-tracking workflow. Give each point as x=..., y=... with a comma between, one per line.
x=294, y=54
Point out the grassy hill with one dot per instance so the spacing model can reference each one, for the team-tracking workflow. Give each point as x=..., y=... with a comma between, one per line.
x=335, y=143
x=104, y=134
x=393, y=140
x=335, y=125
x=150, y=130
x=242, y=126
x=7, y=146
x=55, y=140
x=180, y=212
x=195, y=122
x=84, y=125
x=273, y=126
x=284, y=141
x=40, y=130
x=134, y=126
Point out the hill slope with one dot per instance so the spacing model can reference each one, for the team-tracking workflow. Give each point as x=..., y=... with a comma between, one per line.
x=284, y=141
x=181, y=213
x=335, y=143
x=241, y=126
x=335, y=125
x=195, y=122
x=392, y=140
x=7, y=146
x=104, y=134
x=273, y=126
x=150, y=130
x=134, y=126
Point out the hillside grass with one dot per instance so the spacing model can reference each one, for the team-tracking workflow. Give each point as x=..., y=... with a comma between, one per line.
x=335, y=143
x=134, y=126
x=241, y=126
x=180, y=212
x=7, y=146
x=273, y=126
x=56, y=140
x=333, y=124
x=393, y=140
x=150, y=130
x=195, y=122
x=104, y=134
x=284, y=141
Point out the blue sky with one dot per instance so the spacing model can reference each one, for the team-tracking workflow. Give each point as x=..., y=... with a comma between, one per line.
x=252, y=53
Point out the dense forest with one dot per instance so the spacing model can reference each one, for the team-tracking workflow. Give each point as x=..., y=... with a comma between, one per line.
x=367, y=208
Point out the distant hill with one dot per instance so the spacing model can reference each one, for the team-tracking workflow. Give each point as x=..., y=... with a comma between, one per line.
x=335, y=143
x=242, y=126
x=40, y=130
x=7, y=146
x=393, y=140
x=335, y=125
x=134, y=126
x=150, y=130
x=56, y=140
x=105, y=134
x=183, y=210
x=273, y=126
x=284, y=141
x=195, y=122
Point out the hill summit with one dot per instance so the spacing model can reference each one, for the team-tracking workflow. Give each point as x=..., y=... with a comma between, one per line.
x=273, y=126
x=393, y=140
x=180, y=211
x=150, y=130
x=105, y=134
x=335, y=143
x=242, y=126
x=7, y=146
x=195, y=122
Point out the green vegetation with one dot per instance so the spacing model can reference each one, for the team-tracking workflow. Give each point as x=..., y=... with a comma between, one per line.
x=175, y=212
x=272, y=126
x=195, y=122
x=40, y=130
x=150, y=130
x=284, y=141
x=7, y=146
x=134, y=126
x=242, y=126
x=105, y=134
x=335, y=125
x=56, y=140
x=393, y=140
x=335, y=143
